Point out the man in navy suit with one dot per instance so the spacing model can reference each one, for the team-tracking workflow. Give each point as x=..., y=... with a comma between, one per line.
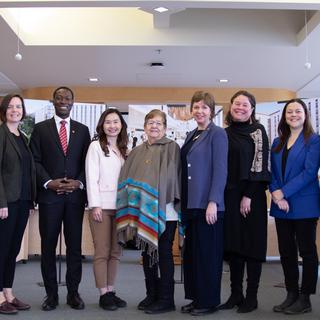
x=59, y=146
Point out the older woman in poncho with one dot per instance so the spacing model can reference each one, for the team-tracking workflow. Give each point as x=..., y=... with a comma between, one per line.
x=148, y=195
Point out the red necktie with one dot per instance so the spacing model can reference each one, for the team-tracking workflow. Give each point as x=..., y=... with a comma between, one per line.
x=63, y=136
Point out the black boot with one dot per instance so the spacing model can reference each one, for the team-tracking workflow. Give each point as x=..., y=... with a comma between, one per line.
x=302, y=305
x=291, y=298
x=235, y=299
x=236, y=278
x=152, y=294
x=250, y=302
x=151, y=279
x=165, y=303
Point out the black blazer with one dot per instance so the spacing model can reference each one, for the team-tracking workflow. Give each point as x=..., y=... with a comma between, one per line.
x=10, y=168
x=51, y=163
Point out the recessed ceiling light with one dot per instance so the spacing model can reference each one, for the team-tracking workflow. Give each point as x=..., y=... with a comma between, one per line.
x=93, y=79
x=161, y=9
x=157, y=65
x=223, y=80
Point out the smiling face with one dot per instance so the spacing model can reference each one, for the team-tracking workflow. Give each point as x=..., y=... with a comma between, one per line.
x=201, y=114
x=112, y=125
x=295, y=116
x=14, y=111
x=241, y=109
x=63, y=103
x=154, y=129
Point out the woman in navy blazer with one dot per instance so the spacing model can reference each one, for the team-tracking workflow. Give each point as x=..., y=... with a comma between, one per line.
x=295, y=157
x=204, y=174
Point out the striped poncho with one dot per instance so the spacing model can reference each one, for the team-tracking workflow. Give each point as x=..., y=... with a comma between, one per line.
x=149, y=179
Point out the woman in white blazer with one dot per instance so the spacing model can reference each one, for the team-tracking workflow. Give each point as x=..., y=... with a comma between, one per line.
x=104, y=160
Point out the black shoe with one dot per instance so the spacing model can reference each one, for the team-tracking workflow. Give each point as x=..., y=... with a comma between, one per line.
x=74, y=301
x=119, y=302
x=203, y=311
x=107, y=301
x=302, y=305
x=248, y=305
x=146, y=302
x=290, y=299
x=187, y=308
x=160, y=306
x=50, y=302
x=234, y=300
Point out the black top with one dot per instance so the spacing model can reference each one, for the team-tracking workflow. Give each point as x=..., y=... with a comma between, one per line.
x=248, y=176
x=284, y=160
x=184, y=169
x=248, y=153
x=25, y=167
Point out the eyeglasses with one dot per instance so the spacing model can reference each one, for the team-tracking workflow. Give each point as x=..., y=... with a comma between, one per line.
x=150, y=123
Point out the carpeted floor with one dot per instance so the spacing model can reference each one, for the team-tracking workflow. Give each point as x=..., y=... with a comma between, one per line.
x=130, y=287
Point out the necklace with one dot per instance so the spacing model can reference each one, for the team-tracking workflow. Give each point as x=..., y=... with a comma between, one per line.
x=197, y=135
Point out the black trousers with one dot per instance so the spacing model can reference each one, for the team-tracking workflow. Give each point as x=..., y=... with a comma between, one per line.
x=165, y=265
x=51, y=217
x=202, y=261
x=298, y=236
x=11, y=234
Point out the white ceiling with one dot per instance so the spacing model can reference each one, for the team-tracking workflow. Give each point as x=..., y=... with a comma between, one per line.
x=253, y=44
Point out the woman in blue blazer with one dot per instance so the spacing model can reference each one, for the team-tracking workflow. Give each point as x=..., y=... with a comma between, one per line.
x=295, y=157
x=204, y=174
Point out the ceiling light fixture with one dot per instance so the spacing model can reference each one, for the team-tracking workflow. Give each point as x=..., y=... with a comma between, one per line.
x=18, y=55
x=307, y=64
x=93, y=79
x=161, y=9
x=157, y=65
x=223, y=80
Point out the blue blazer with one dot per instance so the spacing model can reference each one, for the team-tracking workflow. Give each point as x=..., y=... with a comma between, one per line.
x=300, y=185
x=207, y=168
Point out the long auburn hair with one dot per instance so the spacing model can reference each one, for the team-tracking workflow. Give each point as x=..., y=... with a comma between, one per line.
x=122, y=139
x=284, y=129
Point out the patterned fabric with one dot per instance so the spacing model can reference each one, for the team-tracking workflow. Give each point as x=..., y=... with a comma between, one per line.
x=63, y=136
x=138, y=209
x=149, y=180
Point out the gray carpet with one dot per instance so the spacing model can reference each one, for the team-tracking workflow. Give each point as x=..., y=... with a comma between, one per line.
x=130, y=287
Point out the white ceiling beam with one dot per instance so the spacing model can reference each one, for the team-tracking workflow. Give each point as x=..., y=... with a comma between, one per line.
x=313, y=25
x=231, y=4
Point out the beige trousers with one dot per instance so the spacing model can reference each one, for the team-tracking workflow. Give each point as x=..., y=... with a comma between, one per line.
x=106, y=249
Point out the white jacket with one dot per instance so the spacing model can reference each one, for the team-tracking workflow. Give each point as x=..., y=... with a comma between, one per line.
x=102, y=175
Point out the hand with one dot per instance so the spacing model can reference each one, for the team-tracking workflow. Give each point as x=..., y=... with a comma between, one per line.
x=211, y=213
x=70, y=185
x=97, y=214
x=245, y=206
x=57, y=185
x=63, y=185
x=277, y=195
x=283, y=205
x=3, y=213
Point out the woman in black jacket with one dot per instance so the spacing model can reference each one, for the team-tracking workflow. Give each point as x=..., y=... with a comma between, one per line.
x=17, y=192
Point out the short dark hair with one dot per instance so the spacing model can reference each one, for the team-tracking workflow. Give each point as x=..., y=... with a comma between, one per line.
x=5, y=104
x=284, y=129
x=252, y=101
x=208, y=100
x=62, y=88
